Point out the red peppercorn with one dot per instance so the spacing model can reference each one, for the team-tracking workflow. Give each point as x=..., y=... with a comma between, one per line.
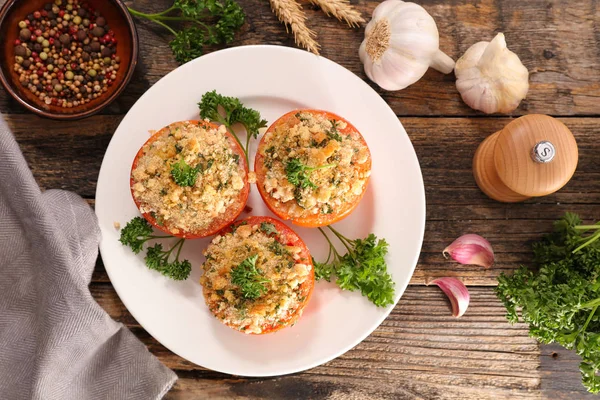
x=73, y=30
x=33, y=38
x=44, y=13
x=37, y=59
x=111, y=32
x=65, y=51
x=114, y=40
x=49, y=89
x=34, y=54
x=60, y=75
x=37, y=15
x=17, y=42
x=40, y=72
x=51, y=41
x=61, y=13
x=107, y=38
x=38, y=32
x=92, y=26
x=73, y=65
x=27, y=22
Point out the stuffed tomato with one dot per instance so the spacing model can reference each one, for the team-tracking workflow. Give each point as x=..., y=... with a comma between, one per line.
x=258, y=276
x=312, y=167
x=190, y=179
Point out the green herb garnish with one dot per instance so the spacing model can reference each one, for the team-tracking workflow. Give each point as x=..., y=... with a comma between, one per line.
x=268, y=228
x=210, y=22
x=559, y=300
x=183, y=174
x=333, y=132
x=362, y=268
x=137, y=232
x=298, y=174
x=234, y=112
x=249, y=278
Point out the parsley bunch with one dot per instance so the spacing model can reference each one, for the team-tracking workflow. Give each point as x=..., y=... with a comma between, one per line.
x=137, y=232
x=249, y=278
x=212, y=22
x=362, y=268
x=233, y=111
x=560, y=299
x=298, y=174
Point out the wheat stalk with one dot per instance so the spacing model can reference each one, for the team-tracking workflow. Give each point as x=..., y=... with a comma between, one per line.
x=291, y=14
x=342, y=10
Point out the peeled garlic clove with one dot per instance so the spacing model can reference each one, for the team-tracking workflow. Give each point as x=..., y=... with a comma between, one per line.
x=471, y=249
x=401, y=43
x=491, y=78
x=457, y=293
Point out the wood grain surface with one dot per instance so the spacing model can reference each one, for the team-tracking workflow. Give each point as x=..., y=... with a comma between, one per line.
x=420, y=351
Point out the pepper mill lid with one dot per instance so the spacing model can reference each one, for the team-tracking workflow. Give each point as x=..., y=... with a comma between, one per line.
x=535, y=155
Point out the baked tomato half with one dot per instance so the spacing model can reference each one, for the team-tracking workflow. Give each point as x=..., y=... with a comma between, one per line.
x=190, y=179
x=258, y=276
x=312, y=167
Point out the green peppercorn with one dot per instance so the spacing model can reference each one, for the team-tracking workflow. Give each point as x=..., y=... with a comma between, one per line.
x=67, y=17
x=58, y=87
x=19, y=59
x=107, y=60
x=77, y=20
x=50, y=67
x=58, y=2
x=69, y=75
x=92, y=72
x=39, y=39
x=69, y=7
x=86, y=22
x=45, y=43
x=22, y=24
x=43, y=56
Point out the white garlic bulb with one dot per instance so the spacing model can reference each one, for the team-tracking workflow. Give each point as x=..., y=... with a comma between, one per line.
x=401, y=43
x=491, y=78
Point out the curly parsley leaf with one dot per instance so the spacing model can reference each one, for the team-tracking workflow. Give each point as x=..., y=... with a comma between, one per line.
x=362, y=268
x=158, y=260
x=233, y=111
x=268, y=228
x=249, y=278
x=559, y=300
x=298, y=174
x=137, y=232
x=183, y=174
x=209, y=22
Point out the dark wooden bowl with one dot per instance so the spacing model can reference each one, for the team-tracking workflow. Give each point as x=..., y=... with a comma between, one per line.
x=120, y=22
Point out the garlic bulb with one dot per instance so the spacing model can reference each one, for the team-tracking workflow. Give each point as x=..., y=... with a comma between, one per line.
x=491, y=78
x=401, y=43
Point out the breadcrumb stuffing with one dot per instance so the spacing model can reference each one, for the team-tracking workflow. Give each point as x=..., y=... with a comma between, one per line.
x=281, y=265
x=316, y=141
x=217, y=185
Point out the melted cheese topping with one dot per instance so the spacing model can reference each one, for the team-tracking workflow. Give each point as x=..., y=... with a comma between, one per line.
x=281, y=265
x=217, y=186
x=316, y=141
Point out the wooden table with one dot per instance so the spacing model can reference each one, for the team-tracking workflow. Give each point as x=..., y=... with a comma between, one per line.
x=419, y=351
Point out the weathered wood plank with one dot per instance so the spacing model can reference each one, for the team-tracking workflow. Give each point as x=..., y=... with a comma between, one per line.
x=420, y=351
x=561, y=379
x=556, y=40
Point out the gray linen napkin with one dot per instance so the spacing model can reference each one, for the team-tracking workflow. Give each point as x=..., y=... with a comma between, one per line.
x=56, y=342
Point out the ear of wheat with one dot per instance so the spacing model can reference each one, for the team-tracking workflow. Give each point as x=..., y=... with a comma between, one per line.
x=291, y=14
x=342, y=10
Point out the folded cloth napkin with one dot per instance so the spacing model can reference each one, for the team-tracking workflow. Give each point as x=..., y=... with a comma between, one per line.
x=56, y=342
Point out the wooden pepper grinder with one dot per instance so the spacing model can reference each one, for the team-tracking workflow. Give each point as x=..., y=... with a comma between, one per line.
x=532, y=156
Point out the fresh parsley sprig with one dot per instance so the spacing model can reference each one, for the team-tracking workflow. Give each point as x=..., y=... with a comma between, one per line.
x=137, y=232
x=362, y=268
x=228, y=111
x=560, y=299
x=213, y=22
x=183, y=174
x=249, y=278
x=298, y=174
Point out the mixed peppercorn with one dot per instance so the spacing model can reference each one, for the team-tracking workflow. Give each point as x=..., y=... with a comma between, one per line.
x=66, y=53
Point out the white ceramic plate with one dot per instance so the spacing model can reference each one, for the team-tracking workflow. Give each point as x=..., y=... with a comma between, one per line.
x=273, y=80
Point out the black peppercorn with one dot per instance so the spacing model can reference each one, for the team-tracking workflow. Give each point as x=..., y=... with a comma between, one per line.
x=100, y=21
x=26, y=63
x=98, y=31
x=95, y=46
x=25, y=35
x=20, y=51
x=37, y=47
x=106, y=52
x=64, y=39
x=81, y=35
